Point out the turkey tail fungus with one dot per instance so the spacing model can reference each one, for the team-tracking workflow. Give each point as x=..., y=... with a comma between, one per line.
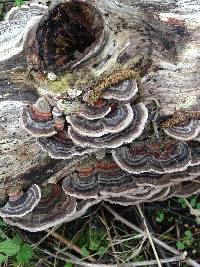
x=99, y=101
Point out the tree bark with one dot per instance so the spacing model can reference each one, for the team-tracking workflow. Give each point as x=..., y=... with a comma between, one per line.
x=166, y=51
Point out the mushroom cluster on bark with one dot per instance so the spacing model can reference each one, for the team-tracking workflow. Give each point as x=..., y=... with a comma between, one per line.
x=92, y=108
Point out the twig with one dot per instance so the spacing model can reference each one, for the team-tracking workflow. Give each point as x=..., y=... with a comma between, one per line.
x=171, y=210
x=137, y=229
x=45, y=237
x=76, y=235
x=120, y=241
x=168, y=231
x=193, y=211
x=149, y=235
x=43, y=263
x=69, y=244
x=118, y=236
x=134, y=264
x=109, y=236
x=189, y=261
x=151, y=229
x=55, y=261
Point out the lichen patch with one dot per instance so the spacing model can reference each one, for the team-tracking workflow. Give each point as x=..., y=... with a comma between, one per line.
x=186, y=102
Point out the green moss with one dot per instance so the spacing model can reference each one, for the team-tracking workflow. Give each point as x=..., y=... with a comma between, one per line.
x=19, y=2
x=61, y=85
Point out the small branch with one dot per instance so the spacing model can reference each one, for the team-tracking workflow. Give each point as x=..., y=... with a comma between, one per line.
x=149, y=236
x=137, y=229
x=60, y=242
x=109, y=236
x=35, y=245
x=118, y=217
x=134, y=264
x=118, y=236
x=69, y=244
x=193, y=211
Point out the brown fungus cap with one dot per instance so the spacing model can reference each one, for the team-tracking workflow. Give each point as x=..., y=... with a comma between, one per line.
x=99, y=110
x=118, y=119
x=158, y=157
x=155, y=194
x=123, y=91
x=134, y=130
x=162, y=180
x=60, y=146
x=189, y=188
x=119, y=85
x=102, y=181
x=54, y=208
x=186, y=131
x=21, y=203
x=38, y=120
x=37, y=128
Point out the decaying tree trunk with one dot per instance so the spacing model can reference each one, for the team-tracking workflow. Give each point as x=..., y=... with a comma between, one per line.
x=155, y=42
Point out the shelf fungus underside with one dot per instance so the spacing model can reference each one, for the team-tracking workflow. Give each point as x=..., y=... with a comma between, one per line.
x=83, y=116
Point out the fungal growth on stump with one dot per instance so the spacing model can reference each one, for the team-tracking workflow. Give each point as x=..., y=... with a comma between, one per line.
x=87, y=108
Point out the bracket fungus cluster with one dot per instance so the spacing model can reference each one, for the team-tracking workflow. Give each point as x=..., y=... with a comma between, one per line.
x=98, y=134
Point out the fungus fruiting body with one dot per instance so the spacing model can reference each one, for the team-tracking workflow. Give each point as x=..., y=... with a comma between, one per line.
x=92, y=119
x=159, y=158
x=21, y=203
x=187, y=130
